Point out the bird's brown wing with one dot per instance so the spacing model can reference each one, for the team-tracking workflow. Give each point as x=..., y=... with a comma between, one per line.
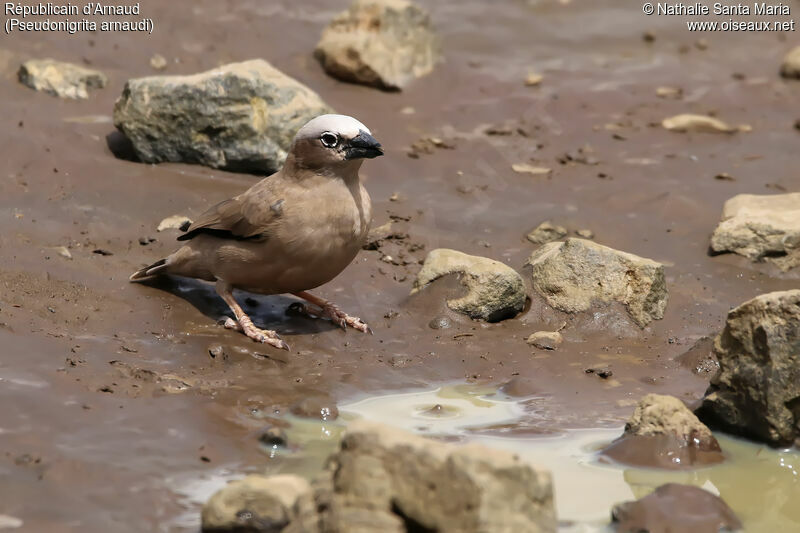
x=244, y=217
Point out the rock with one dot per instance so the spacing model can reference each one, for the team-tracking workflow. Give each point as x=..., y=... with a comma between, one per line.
x=273, y=437
x=756, y=393
x=547, y=232
x=283, y=503
x=174, y=222
x=380, y=43
x=675, y=508
x=402, y=482
x=377, y=235
x=545, y=340
x=158, y=62
x=521, y=387
x=576, y=274
x=65, y=80
x=494, y=291
x=790, y=68
x=761, y=227
x=669, y=92
x=584, y=233
x=10, y=522
x=63, y=251
x=316, y=407
x=440, y=322
x=241, y=116
x=664, y=433
x=697, y=123
x=533, y=79
x=524, y=168
x=700, y=358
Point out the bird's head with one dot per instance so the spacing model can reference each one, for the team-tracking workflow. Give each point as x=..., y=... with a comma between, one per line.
x=333, y=140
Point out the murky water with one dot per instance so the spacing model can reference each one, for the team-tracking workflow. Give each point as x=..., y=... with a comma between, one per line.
x=760, y=484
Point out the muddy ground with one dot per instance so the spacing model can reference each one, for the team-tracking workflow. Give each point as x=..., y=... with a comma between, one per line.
x=110, y=396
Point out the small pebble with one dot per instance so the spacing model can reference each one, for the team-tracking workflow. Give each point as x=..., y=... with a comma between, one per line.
x=273, y=437
x=440, y=322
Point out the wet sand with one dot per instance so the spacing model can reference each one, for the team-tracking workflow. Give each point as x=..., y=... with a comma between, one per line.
x=110, y=392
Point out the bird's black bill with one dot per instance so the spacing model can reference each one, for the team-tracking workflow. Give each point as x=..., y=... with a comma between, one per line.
x=363, y=146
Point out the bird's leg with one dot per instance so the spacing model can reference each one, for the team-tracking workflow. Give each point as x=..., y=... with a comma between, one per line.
x=332, y=311
x=243, y=322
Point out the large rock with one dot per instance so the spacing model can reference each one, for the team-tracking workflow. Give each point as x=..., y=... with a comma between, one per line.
x=756, y=392
x=381, y=43
x=259, y=504
x=494, y=291
x=385, y=479
x=664, y=433
x=65, y=80
x=675, y=508
x=761, y=226
x=790, y=67
x=241, y=116
x=576, y=274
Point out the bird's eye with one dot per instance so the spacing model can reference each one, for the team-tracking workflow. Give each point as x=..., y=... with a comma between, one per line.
x=329, y=139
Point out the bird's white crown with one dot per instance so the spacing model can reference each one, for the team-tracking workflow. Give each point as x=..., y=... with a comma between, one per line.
x=346, y=126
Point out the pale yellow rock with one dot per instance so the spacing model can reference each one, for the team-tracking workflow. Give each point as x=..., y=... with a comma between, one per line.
x=761, y=226
x=669, y=92
x=158, y=62
x=577, y=274
x=381, y=43
x=495, y=291
x=697, y=123
x=524, y=168
x=790, y=68
x=285, y=502
x=173, y=222
x=533, y=79
x=65, y=80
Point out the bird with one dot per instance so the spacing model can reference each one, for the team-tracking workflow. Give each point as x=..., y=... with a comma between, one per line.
x=289, y=233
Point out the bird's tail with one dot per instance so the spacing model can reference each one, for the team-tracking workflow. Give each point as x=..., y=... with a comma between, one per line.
x=159, y=267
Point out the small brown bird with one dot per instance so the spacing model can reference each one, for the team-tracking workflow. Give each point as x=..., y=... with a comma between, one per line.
x=291, y=232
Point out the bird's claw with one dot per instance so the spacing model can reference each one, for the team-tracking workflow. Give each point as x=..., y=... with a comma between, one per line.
x=263, y=336
x=343, y=320
x=331, y=311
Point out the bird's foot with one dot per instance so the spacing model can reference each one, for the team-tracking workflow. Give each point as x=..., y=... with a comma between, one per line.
x=329, y=310
x=266, y=336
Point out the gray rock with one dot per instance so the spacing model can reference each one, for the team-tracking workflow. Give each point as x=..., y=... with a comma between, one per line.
x=385, y=479
x=761, y=226
x=259, y=504
x=241, y=116
x=545, y=340
x=547, y=232
x=790, y=67
x=494, y=291
x=381, y=43
x=756, y=393
x=576, y=274
x=675, y=508
x=65, y=80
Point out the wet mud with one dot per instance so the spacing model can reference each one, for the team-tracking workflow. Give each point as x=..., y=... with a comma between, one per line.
x=115, y=394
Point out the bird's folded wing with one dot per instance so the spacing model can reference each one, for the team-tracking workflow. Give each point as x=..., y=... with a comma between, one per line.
x=247, y=216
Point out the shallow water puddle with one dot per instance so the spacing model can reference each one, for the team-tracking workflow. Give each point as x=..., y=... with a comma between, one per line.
x=759, y=483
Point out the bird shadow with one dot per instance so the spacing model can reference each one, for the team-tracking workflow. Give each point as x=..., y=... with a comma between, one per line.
x=268, y=312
